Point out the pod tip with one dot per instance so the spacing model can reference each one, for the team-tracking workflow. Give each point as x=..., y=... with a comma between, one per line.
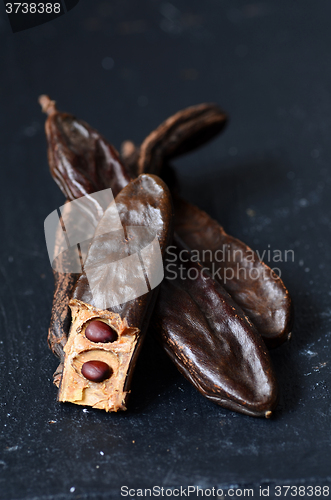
x=128, y=148
x=47, y=105
x=268, y=414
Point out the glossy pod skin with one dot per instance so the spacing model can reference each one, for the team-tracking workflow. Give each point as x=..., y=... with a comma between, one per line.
x=80, y=159
x=213, y=343
x=259, y=292
x=179, y=134
x=264, y=298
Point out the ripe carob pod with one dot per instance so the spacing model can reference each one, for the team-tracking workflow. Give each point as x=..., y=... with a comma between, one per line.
x=251, y=283
x=80, y=159
x=99, y=360
x=211, y=341
x=81, y=162
x=260, y=401
x=257, y=289
x=183, y=132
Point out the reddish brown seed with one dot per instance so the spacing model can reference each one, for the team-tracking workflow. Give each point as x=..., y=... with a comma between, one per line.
x=96, y=371
x=98, y=331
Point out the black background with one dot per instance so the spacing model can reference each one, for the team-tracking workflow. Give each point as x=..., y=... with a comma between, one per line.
x=266, y=179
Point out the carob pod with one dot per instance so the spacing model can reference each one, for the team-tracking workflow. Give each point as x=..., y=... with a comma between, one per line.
x=60, y=321
x=180, y=133
x=256, y=288
x=80, y=159
x=81, y=162
x=211, y=341
x=98, y=373
x=265, y=400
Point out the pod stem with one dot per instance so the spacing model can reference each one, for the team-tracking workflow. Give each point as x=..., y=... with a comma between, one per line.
x=47, y=105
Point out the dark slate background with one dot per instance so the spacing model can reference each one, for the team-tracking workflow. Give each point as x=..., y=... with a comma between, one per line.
x=124, y=66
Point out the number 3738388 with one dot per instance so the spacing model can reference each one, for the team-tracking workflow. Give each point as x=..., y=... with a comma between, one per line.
x=33, y=8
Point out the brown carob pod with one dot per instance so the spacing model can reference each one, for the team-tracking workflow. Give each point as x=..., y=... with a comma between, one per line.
x=257, y=289
x=61, y=315
x=211, y=341
x=183, y=132
x=80, y=159
x=203, y=370
x=95, y=373
x=254, y=286
x=81, y=162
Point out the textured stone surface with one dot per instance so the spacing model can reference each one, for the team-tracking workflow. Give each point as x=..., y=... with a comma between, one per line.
x=125, y=66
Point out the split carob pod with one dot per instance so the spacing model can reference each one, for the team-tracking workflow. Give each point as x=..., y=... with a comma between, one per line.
x=196, y=370
x=64, y=283
x=100, y=358
x=211, y=341
x=81, y=162
x=252, y=284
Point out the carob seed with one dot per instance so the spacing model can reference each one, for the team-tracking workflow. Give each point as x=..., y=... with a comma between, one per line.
x=98, y=331
x=96, y=371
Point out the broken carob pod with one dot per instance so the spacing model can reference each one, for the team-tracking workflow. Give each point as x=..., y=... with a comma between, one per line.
x=81, y=162
x=210, y=339
x=181, y=133
x=124, y=257
x=254, y=286
x=64, y=283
